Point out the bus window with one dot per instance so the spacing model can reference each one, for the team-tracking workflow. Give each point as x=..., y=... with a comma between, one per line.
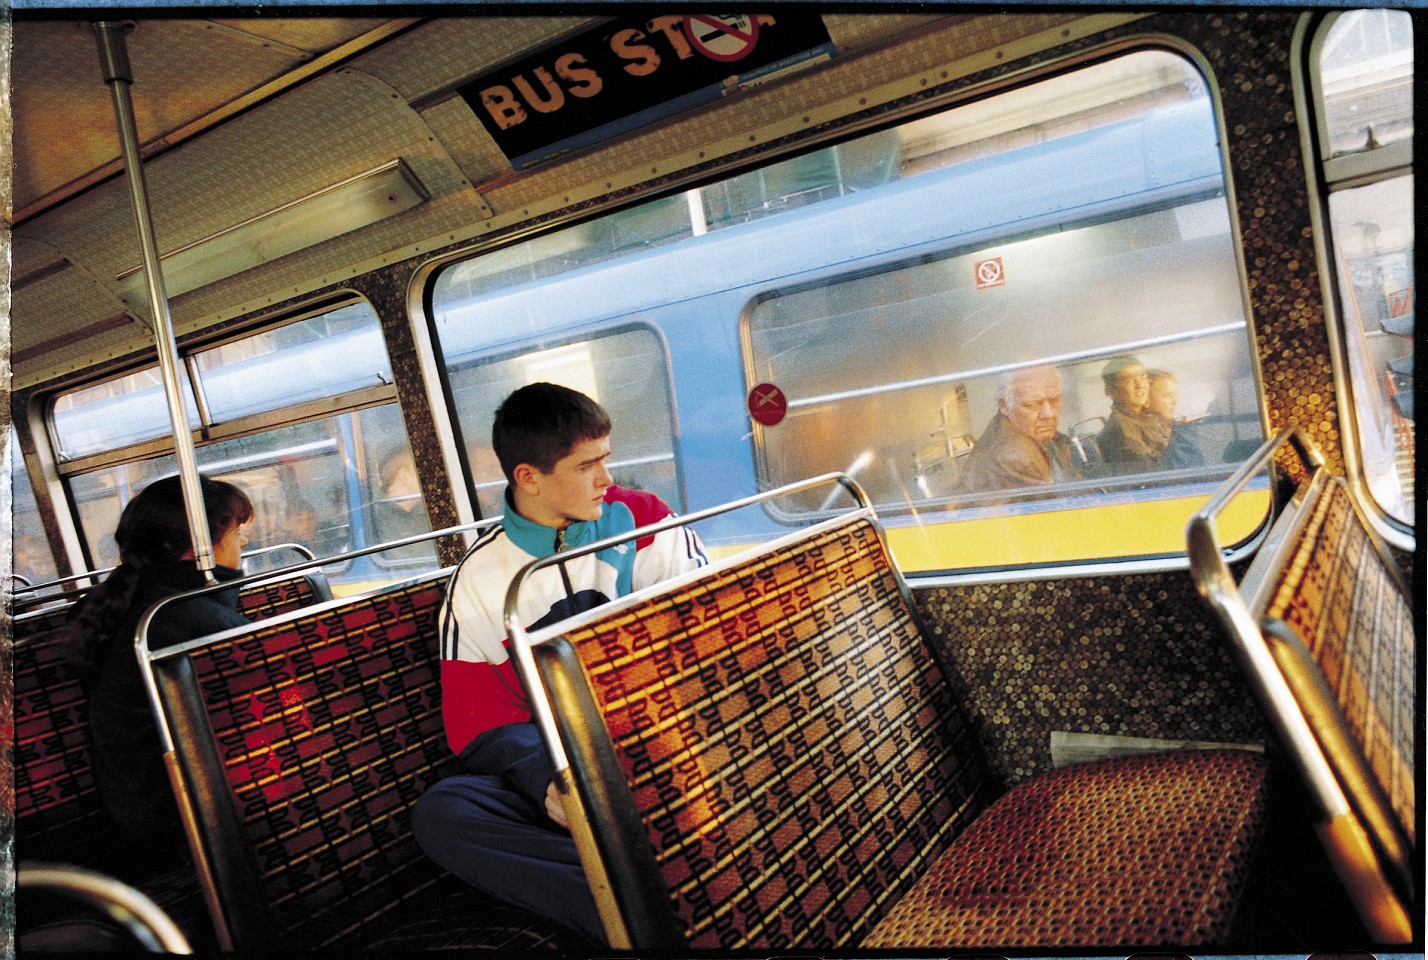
x=83, y=424
x=878, y=293
x=295, y=362
x=30, y=548
x=626, y=371
x=1363, y=71
x=316, y=478
x=1071, y=344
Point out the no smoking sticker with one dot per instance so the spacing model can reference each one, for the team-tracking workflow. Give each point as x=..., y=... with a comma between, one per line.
x=767, y=404
x=989, y=273
x=723, y=38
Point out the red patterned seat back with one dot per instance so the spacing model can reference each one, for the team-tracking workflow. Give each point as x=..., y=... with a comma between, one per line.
x=788, y=741
x=268, y=598
x=58, y=815
x=58, y=812
x=305, y=741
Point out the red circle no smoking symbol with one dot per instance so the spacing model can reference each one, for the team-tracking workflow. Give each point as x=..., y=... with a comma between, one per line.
x=767, y=404
x=722, y=38
x=989, y=273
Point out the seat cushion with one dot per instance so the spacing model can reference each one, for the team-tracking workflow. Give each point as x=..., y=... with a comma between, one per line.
x=1145, y=850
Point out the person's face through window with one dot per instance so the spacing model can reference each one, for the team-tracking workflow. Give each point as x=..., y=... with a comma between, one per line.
x=1033, y=404
x=1163, y=395
x=1131, y=389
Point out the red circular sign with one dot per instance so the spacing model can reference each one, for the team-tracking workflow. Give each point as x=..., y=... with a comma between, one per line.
x=767, y=404
x=723, y=38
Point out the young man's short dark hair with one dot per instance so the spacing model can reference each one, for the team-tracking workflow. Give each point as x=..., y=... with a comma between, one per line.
x=539, y=424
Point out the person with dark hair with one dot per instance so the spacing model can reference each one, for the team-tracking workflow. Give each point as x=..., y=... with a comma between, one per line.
x=1134, y=438
x=156, y=561
x=500, y=826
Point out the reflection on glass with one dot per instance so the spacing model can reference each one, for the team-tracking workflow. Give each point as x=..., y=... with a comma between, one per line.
x=1373, y=243
x=330, y=485
x=30, y=549
x=1366, y=77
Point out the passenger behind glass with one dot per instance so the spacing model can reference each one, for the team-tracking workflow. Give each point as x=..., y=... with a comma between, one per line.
x=156, y=561
x=1022, y=446
x=1184, y=448
x=1135, y=438
x=401, y=513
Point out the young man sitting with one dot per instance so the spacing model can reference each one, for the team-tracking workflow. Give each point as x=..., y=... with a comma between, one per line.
x=500, y=826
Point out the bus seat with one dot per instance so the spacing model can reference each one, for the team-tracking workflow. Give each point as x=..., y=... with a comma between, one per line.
x=1322, y=622
x=303, y=741
x=59, y=816
x=769, y=756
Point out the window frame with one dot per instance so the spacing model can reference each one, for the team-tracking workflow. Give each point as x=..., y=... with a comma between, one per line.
x=1326, y=174
x=912, y=106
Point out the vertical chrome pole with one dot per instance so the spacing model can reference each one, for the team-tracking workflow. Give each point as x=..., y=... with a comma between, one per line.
x=114, y=60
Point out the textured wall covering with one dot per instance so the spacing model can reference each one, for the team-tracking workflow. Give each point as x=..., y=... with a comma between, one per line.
x=1129, y=656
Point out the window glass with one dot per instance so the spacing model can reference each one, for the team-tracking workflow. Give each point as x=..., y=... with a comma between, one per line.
x=624, y=371
x=116, y=413
x=1366, y=84
x=329, y=485
x=328, y=482
x=323, y=356
x=30, y=548
x=870, y=306
x=1366, y=78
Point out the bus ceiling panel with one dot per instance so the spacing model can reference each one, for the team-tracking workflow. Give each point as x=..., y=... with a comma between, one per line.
x=65, y=139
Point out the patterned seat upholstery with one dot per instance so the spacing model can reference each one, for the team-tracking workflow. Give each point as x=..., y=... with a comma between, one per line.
x=305, y=741
x=1144, y=850
x=1323, y=623
x=1345, y=602
x=58, y=813
x=794, y=770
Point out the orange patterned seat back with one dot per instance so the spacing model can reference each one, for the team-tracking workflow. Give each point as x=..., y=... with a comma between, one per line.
x=1344, y=600
x=787, y=740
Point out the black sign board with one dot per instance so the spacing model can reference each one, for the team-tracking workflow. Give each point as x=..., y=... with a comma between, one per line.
x=628, y=73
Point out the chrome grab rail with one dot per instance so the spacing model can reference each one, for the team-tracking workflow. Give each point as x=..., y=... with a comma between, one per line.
x=31, y=591
x=1361, y=835
x=520, y=639
x=139, y=916
x=543, y=714
x=1217, y=586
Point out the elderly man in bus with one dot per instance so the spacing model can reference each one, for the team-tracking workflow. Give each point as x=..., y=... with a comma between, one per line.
x=1023, y=446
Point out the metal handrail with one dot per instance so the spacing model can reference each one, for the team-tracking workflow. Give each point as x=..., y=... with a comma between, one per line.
x=32, y=600
x=520, y=639
x=1327, y=758
x=1217, y=586
x=139, y=916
